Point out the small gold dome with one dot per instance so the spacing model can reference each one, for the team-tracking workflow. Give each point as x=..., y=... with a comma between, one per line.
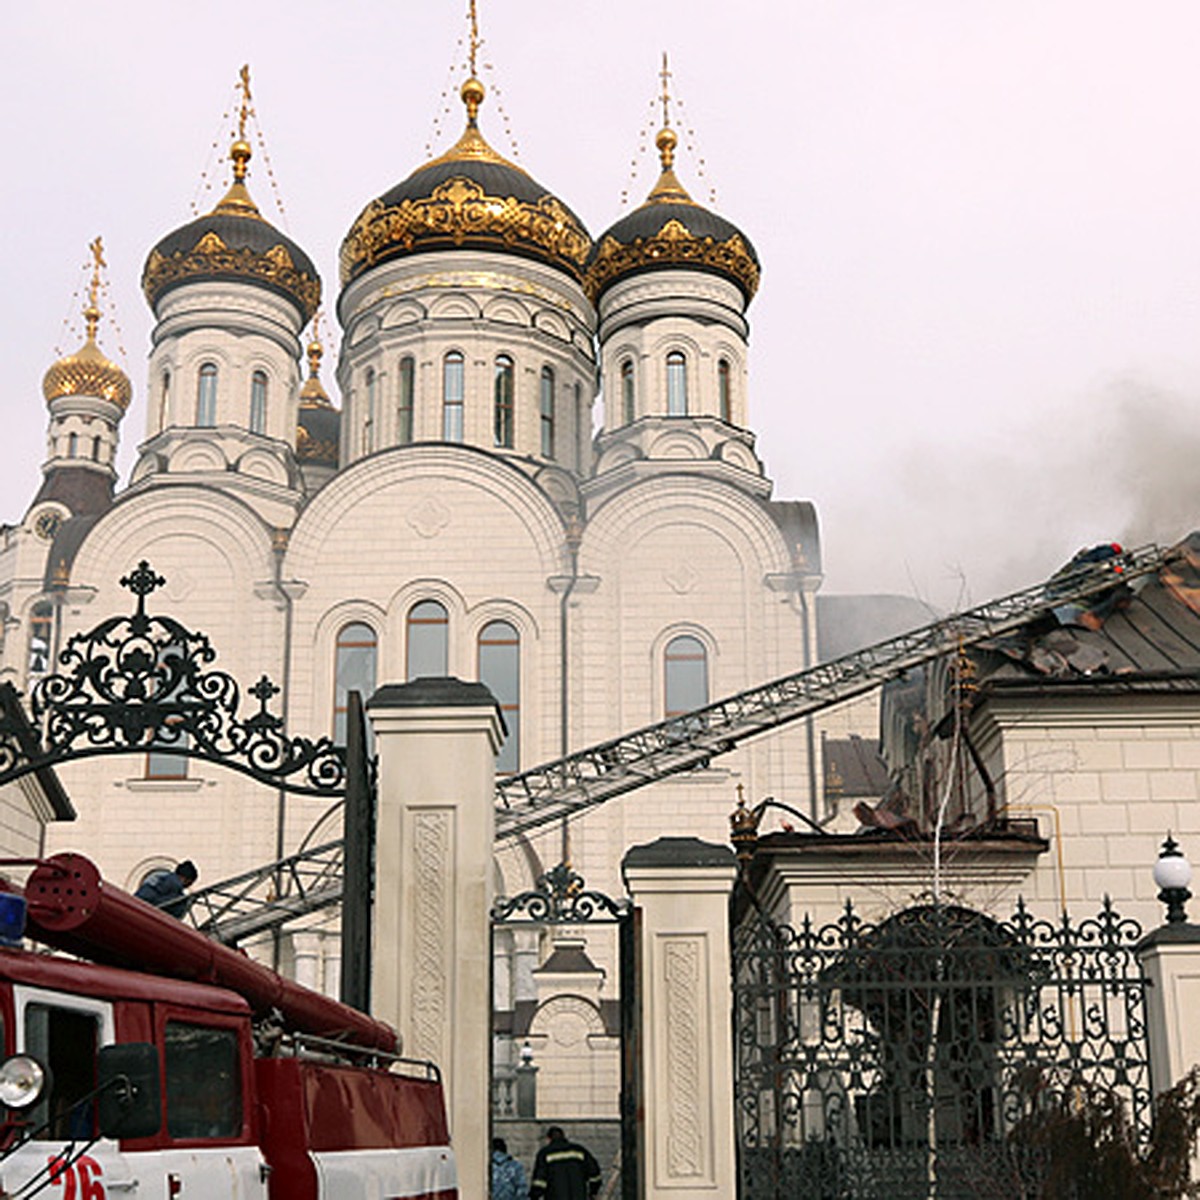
x=313, y=393
x=87, y=372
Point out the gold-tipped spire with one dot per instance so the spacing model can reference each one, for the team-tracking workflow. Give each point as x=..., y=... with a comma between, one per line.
x=237, y=200
x=668, y=189
x=87, y=372
x=313, y=394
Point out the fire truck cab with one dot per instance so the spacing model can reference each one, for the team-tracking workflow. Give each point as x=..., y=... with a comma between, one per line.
x=120, y=1083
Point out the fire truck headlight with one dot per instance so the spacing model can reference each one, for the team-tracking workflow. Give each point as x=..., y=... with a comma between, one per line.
x=22, y=1081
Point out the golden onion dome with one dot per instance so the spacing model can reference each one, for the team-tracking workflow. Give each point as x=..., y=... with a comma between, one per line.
x=88, y=372
x=235, y=243
x=670, y=230
x=469, y=197
x=312, y=393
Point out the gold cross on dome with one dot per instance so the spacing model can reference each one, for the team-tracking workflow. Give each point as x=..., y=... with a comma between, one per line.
x=474, y=34
x=665, y=75
x=244, y=75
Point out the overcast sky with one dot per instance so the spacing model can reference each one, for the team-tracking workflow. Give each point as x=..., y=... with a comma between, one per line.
x=976, y=346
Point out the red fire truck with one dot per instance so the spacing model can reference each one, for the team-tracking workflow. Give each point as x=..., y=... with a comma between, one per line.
x=168, y=1066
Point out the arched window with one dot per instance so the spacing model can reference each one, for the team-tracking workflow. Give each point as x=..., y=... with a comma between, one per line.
x=96, y=449
x=206, y=396
x=452, y=397
x=724, y=394
x=428, y=649
x=627, y=392
x=354, y=661
x=258, y=402
x=404, y=409
x=547, y=409
x=164, y=397
x=685, y=674
x=677, y=398
x=41, y=628
x=369, y=422
x=502, y=404
x=72, y=445
x=500, y=669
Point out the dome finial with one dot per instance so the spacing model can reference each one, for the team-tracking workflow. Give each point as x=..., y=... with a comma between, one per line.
x=666, y=140
x=472, y=90
x=237, y=199
x=91, y=314
x=313, y=393
x=668, y=187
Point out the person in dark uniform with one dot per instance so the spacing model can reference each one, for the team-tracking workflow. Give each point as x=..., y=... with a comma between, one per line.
x=164, y=889
x=563, y=1170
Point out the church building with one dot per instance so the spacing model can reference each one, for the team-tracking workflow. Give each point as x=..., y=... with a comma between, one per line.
x=540, y=473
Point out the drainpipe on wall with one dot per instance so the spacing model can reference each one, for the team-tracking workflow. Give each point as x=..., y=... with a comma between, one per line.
x=574, y=536
x=279, y=544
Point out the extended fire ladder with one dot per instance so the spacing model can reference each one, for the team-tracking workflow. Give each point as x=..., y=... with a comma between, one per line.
x=309, y=881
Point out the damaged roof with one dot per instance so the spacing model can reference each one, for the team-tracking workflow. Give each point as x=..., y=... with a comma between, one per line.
x=1151, y=631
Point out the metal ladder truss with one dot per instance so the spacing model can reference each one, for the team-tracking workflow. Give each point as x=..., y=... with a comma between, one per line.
x=270, y=896
x=295, y=887
x=589, y=777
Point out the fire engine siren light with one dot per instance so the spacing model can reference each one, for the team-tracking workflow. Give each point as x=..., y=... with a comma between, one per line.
x=22, y=1081
x=12, y=919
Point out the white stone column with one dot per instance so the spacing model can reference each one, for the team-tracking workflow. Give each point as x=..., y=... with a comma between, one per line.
x=435, y=826
x=682, y=886
x=1170, y=958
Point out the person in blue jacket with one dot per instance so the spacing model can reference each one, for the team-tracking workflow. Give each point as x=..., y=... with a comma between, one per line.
x=508, y=1176
x=165, y=889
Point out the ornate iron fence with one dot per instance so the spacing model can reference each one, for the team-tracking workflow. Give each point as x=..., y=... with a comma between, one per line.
x=900, y=1059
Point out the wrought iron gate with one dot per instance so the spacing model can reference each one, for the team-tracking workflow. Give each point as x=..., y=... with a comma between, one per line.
x=560, y=897
x=900, y=1059
x=146, y=682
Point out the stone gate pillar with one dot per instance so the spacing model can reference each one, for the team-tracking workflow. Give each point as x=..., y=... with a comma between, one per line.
x=682, y=886
x=1170, y=958
x=435, y=827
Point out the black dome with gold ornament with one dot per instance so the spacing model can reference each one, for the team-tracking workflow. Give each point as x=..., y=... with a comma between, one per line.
x=234, y=242
x=470, y=197
x=670, y=230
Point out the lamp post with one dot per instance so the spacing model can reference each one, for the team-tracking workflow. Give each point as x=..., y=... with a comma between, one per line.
x=527, y=1083
x=1172, y=874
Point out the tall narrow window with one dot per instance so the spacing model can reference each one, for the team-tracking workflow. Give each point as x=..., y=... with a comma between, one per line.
x=404, y=408
x=502, y=403
x=627, y=392
x=41, y=628
x=428, y=640
x=677, y=398
x=369, y=421
x=724, y=395
x=162, y=762
x=686, y=675
x=258, y=402
x=500, y=669
x=547, y=409
x=353, y=671
x=73, y=445
x=95, y=449
x=452, y=397
x=163, y=398
x=206, y=396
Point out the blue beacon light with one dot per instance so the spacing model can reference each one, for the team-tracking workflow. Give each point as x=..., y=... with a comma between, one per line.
x=12, y=919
